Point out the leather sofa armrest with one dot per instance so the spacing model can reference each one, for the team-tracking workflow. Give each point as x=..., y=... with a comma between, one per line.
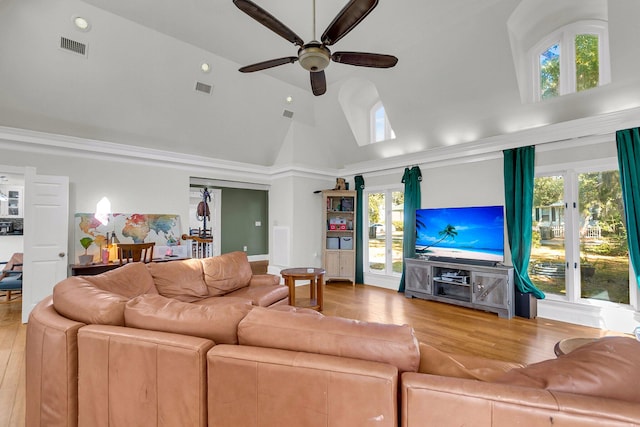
x=51, y=367
x=264, y=279
x=447, y=402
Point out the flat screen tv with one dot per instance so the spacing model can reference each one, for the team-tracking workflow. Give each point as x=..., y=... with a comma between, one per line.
x=474, y=233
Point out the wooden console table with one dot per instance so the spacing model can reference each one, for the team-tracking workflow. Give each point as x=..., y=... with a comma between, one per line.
x=315, y=276
x=99, y=268
x=257, y=267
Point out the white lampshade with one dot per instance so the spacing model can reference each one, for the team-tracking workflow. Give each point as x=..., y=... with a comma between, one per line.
x=103, y=209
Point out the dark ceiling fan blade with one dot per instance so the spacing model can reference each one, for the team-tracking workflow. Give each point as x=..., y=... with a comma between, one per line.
x=268, y=20
x=268, y=64
x=318, y=83
x=350, y=16
x=364, y=59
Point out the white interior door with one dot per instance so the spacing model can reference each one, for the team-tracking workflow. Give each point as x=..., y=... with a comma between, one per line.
x=46, y=233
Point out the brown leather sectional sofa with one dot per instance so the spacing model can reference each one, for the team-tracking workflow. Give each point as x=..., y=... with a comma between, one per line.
x=206, y=343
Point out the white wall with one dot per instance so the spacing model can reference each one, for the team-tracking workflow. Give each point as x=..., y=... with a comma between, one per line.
x=293, y=204
x=131, y=186
x=10, y=245
x=307, y=221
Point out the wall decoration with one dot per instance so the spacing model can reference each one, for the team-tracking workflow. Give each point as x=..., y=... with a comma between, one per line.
x=163, y=229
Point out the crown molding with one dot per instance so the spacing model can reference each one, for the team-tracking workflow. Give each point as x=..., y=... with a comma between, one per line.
x=41, y=142
x=303, y=171
x=580, y=131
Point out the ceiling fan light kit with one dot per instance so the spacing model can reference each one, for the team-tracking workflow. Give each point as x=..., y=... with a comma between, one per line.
x=315, y=56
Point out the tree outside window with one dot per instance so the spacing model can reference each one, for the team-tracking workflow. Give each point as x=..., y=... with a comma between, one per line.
x=587, y=62
x=572, y=59
x=550, y=72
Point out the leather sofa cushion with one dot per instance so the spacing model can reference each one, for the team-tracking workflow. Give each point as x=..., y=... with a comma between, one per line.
x=226, y=273
x=336, y=336
x=436, y=362
x=264, y=279
x=130, y=280
x=605, y=368
x=261, y=295
x=267, y=387
x=181, y=280
x=218, y=322
x=131, y=377
x=78, y=299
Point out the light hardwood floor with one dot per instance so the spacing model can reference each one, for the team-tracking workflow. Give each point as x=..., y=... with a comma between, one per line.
x=448, y=327
x=12, y=366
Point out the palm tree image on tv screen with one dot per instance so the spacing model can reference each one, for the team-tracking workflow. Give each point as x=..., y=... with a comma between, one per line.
x=475, y=233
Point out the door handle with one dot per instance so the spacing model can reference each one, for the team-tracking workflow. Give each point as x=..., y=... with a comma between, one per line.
x=61, y=254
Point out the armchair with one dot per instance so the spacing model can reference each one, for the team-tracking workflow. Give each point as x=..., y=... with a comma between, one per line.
x=11, y=277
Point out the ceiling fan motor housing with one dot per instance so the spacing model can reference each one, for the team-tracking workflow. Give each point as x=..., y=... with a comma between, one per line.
x=314, y=57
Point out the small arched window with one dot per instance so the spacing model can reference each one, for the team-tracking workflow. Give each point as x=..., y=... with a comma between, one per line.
x=559, y=47
x=571, y=59
x=380, y=127
x=364, y=111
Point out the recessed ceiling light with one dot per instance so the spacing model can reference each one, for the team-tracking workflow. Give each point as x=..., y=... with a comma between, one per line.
x=289, y=99
x=205, y=67
x=81, y=23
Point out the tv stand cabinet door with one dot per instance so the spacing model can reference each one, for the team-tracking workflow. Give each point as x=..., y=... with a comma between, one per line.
x=417, y=278
x=493, y=290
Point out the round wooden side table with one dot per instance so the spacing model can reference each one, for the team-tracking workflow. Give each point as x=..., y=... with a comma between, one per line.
x=315, y=276
x=567, y=345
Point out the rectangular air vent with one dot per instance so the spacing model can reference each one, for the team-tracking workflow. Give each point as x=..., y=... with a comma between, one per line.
x=203, y=87
x=288, y=114
x=73, y=46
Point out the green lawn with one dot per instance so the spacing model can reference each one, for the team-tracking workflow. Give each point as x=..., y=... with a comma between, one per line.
x=608, y=280
x=376, y=247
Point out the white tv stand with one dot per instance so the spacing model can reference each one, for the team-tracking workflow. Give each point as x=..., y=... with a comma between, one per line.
x=488, y=288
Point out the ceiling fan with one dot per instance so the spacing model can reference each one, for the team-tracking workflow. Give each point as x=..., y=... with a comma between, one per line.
x=315, y=55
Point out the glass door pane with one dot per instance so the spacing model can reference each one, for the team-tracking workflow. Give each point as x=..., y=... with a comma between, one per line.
x=377, y=232
x=547, y=263
x=397, y=230
x=604, y=254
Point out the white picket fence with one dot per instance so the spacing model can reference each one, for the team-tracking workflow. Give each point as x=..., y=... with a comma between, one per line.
x=589, y=232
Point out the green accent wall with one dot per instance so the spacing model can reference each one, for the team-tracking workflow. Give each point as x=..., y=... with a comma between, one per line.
x=241, y=209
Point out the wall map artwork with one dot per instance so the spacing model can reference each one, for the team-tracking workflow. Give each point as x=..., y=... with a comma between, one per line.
x=163, y=229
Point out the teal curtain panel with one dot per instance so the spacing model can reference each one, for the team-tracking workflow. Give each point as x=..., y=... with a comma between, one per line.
x=359, y=181
x=518, y=194
x=411, y=179
x=628, y=145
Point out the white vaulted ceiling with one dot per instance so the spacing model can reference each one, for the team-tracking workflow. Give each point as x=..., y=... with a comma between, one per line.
x=455, y=81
